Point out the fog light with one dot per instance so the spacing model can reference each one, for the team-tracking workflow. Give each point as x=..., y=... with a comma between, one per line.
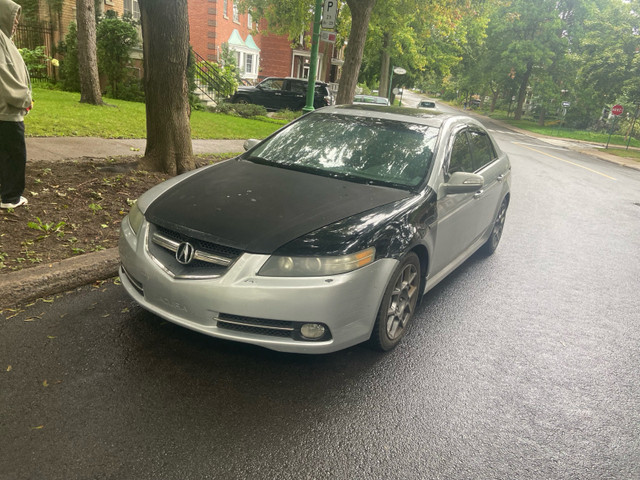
x=312, y=330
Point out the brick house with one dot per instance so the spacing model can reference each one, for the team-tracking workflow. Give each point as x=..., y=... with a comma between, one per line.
x=213, y=23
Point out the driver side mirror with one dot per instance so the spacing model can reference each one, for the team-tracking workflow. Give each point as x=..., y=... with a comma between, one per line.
x=250, y=143
x=463, y=182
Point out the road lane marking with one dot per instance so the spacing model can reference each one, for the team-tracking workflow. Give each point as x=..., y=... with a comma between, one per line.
x=565, y=161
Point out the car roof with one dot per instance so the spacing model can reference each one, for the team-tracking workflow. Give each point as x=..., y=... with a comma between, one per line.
x=318, y=82
x=430, y=118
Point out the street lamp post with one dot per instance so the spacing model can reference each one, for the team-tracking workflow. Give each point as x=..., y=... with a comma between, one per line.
x=313, y=67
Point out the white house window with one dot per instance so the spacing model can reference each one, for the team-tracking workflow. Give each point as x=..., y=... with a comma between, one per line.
x=225, y=8
x=248, y=66
x=132, y=7
x=249, y=20
x=236, y=14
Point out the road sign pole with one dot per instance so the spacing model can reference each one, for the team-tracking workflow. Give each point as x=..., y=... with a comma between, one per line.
x=611, y=131
x=313, y=67
x=390, y=83
x=633, y=124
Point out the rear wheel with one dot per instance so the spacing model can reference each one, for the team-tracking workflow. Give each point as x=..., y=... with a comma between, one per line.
x=242, y=100
x=398, y=304
x=496, y=233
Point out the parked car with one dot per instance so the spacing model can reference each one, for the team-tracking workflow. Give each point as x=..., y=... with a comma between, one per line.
x=325, y=234
x=370, y=99
x=426, y=104
x=280, y=93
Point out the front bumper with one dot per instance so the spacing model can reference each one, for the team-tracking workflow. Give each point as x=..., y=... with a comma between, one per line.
x=347, y=304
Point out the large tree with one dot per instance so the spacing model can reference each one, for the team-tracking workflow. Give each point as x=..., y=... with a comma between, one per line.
x=87, y=57
x=165, y=33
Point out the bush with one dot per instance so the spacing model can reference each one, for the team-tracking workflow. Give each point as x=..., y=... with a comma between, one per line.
x=36, y=61
x=115, y=39
x=69, y=72
x=245, y=110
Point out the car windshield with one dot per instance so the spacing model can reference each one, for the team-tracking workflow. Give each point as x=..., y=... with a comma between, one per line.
x=361, y=149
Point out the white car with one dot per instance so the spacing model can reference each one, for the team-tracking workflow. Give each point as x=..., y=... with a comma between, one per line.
x=325, y=234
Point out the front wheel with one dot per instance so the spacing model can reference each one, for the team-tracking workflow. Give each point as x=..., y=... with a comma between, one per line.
x=496, y=232
x=398, y=305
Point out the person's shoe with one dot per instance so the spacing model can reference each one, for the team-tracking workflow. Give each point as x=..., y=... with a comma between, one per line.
x=21, y=201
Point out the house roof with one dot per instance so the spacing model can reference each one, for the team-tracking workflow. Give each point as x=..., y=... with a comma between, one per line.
x=236, y=39
x=251, y=44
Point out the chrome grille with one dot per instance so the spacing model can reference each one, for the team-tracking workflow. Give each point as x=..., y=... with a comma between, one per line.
x=209, y=260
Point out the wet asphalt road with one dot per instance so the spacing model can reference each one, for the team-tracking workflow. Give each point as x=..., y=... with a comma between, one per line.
x=524, y=365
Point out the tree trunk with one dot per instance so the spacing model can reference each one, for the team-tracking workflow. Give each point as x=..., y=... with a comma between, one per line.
x=385, y=66
x=87, y=56
x=165, y=34
x=523, y=91
x=360, y=14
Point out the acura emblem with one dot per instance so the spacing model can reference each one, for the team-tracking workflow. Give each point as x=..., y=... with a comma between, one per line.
x=185, y=253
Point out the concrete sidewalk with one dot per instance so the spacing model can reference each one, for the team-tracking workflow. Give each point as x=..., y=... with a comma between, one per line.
x=61, y=148
x=36, y=282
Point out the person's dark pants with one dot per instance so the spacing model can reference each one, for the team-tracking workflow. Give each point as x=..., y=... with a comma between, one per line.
x=13, y=161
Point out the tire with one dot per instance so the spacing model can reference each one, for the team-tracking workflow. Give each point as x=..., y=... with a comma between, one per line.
x=496, y=232
x=242, y=100
x=398, y=305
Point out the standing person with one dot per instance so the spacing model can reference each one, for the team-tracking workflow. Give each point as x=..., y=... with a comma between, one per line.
x=15, y=103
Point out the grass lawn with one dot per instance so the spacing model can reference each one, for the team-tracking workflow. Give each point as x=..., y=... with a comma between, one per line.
x=59, y=114
x=622, y=152
x=554, y=131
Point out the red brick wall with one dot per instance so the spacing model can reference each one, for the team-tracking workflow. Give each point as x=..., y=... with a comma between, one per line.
x=275, y=56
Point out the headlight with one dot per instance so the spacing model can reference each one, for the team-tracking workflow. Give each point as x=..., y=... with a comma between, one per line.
x=278, y=266
x=135, y=218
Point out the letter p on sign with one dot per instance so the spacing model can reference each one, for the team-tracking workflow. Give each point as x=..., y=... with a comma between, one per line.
x=329, y=14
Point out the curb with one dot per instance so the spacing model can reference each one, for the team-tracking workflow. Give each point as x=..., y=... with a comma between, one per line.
x=44, y=280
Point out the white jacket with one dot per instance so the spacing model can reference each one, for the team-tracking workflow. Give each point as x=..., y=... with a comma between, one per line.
x=15, y=85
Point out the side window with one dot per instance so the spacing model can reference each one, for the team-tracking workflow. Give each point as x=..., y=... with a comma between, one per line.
x=483, y=153
x=273, y=84
x=299, y=87
x=461, y=160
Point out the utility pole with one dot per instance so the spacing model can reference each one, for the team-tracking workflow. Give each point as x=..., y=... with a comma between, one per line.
x=313, y=67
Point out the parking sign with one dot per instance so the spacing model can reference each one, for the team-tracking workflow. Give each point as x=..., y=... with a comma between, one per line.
x=329, y=14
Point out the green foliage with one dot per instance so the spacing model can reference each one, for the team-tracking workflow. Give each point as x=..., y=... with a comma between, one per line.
x=59, y=113
x=245, y=110
x=47, y=228
x=69, y=70
x=36, y=61
x=115, y=39
x=228, y=73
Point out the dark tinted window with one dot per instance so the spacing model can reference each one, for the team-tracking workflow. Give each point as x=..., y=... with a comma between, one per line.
x=461, y=159
x=298, y=87
x=355, y=148
x=273, y=84
x=482, y=148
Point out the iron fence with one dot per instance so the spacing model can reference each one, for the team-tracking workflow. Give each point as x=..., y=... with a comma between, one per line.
x=32, y=35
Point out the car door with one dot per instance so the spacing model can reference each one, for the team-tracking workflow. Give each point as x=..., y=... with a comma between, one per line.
x=295, y=95
x=270, y=93
x=493, y=168
x=457, y=213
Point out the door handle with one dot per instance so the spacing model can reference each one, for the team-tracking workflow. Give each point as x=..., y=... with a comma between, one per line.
x=478, y=194
x=501, y=177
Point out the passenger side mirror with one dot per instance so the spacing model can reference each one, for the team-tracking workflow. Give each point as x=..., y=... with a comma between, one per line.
x=249, y=144
x=463, y=182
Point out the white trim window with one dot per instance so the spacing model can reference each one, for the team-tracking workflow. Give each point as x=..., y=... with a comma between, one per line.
x=249, y=21
x=236, y=13
x=249, y=62
x=132, y=7
x=225, y=8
